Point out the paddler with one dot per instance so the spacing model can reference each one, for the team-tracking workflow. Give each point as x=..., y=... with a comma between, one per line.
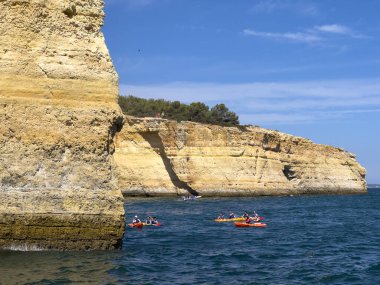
x=154, y=221
x=256, y=216
x=232, y=216
x=246, y=215
x=136, y=220
x=149, y=220
x=248, y=220
x=220, y=217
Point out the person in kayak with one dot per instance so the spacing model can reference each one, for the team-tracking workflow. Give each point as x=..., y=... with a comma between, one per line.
x=154, y=221
x=149, y=220
x=220, y=217
x=248, y=219
x=136, y=220
x=256, y=216
x=232, y=216
x=246, y=215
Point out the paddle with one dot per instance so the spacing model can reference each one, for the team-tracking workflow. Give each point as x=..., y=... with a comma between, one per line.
x=259, y=218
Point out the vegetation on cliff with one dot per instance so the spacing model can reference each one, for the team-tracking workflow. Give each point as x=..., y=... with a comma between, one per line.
x=175, y=110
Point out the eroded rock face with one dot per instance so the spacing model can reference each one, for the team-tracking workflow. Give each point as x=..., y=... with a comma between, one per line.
x=159, y=157
x=58, y=118
x=53, y=50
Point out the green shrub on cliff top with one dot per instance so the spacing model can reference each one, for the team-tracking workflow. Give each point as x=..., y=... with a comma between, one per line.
x=175, y=110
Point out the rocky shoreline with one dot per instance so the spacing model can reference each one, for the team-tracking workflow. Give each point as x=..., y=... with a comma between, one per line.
x=67, y=153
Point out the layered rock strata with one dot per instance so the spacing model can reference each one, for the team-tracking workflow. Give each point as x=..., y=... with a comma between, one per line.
x=157, y=157
x=58, y=118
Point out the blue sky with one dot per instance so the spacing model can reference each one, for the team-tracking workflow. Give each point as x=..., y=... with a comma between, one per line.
x=308, y=68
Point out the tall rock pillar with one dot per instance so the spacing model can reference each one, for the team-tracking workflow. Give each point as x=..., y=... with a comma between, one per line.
x=58, y=117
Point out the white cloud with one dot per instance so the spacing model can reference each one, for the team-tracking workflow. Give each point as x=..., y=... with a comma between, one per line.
x=302, y=37
x=317, y=34
x=303, y=7
x=296, y=37
x=265, y=103
x=300, y=118
x=338, y=30
x=334, y=29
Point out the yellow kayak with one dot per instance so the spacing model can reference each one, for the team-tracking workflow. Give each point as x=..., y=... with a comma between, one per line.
x=230, y=220
x=155, y=225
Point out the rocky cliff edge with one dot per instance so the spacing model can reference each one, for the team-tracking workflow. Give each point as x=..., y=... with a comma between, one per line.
x=157, y=157
x=58, y=118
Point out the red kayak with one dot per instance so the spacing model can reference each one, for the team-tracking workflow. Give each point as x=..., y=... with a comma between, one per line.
x=137, y=225
x=245, y=225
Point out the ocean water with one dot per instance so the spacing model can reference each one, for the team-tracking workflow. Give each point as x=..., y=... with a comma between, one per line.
x=309, y=240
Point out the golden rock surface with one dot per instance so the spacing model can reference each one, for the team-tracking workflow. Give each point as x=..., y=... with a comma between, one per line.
x=157, y=157
x=58, y=118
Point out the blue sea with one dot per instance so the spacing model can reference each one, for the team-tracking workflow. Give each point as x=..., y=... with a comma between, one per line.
x=309, y=240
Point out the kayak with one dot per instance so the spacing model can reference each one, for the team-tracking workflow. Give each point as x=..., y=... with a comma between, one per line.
x=137, y=225
x=229, y=220
x=154, y=225
x=245, y=225
x=184, y=198
x=238, y=219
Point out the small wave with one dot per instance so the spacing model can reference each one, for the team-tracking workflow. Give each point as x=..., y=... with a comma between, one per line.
x=23, y=247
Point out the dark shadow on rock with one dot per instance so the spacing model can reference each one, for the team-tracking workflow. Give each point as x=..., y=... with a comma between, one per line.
x=155, y=141
x=289, y=173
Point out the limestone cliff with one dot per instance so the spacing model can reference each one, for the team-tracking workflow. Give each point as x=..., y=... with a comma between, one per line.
x=157, y=157
x=58, y=117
